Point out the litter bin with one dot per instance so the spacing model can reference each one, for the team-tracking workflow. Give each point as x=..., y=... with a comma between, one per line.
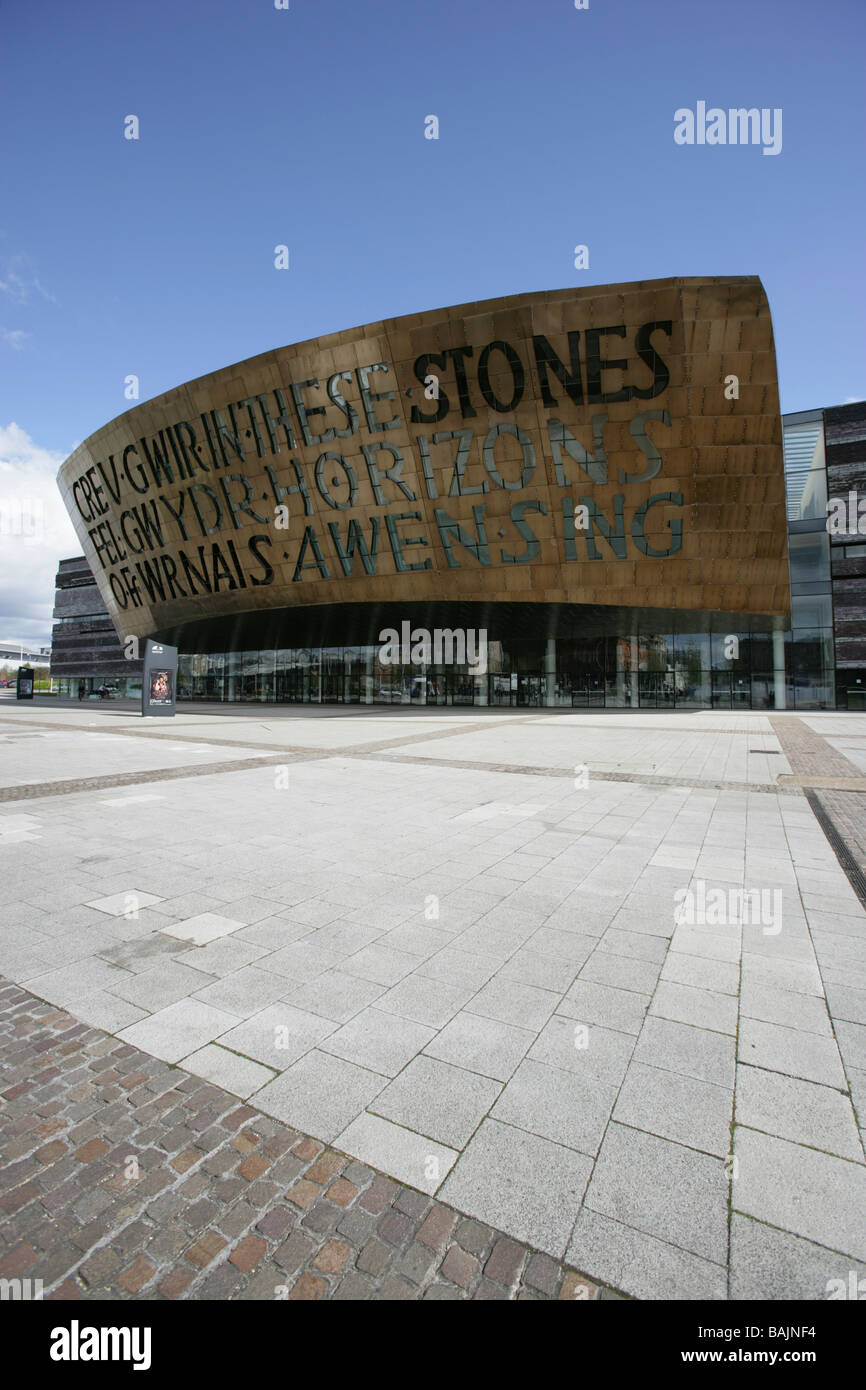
x=24, y=683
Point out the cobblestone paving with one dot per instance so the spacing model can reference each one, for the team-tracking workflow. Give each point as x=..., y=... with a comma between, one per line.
x=847, y=810
x=810, y=755
x=808, y=752
x=128, y=1178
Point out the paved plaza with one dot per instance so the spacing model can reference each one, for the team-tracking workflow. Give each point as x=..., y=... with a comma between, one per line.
x=485, y=964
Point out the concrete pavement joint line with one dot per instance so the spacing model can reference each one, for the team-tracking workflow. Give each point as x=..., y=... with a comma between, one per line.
x=365, y=749
x=732, y=1127
x=783, y=1231
x=771, y=1071
x=801, y=1143
x=665, y=728
x=371, y=746
x=641, y=778
x=33, y=791
x=169, y=736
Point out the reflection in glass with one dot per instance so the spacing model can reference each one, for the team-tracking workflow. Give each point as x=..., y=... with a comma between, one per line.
x=647, y=670
x=809, y=557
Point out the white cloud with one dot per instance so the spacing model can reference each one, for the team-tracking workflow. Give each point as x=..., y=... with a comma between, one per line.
x=853, y=400
x=21, y=283
x=14, y=337
x=35, y=532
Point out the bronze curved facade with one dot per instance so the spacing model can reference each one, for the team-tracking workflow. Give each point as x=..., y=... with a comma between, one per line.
x=584, y=453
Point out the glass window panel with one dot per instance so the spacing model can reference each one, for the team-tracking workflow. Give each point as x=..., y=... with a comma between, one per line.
x=495, y=656
x=809, y=557
x=691, y=658
x=814, y=610
x=654, y=651
x=530, y=656
x=763, y=688
x=697, y=690
x=720, y=661
x=500, y=691
x=805, y=474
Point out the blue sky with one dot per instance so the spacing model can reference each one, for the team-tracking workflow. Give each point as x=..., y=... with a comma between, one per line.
x=306, y=127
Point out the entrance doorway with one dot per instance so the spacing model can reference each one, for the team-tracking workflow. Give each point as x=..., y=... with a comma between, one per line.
x=530, y=689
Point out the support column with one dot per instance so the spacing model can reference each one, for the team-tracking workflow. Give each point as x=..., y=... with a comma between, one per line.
x=367, y=692
x=550, y=672
x=779, y=669
x=620, y=699
x=634, y=679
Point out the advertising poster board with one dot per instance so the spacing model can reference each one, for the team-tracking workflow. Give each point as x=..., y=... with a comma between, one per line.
x=159, y=680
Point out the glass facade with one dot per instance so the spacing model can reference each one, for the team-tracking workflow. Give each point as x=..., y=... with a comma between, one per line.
x=645, y=670
x=111, y=687
x=809, y=658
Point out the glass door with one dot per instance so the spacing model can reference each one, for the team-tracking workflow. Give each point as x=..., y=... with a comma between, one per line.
x=461, y=688
x=333, y=676
x=650, y=688
x=722, y=688
x=530, y=689
x=501, y=692
x=291, y=685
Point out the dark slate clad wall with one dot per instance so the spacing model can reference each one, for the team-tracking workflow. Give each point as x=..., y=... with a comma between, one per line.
x=86, y=644
x=845, y=448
